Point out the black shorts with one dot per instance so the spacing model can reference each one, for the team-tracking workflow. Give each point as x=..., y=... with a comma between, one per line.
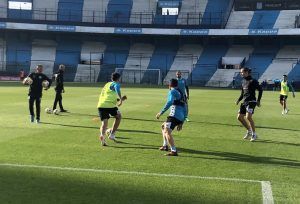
x=172, y=122
x=106, y=113
x=247, y=108
x=283, y=97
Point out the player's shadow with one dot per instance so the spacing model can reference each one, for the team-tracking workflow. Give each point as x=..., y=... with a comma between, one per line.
x=238, y=157
x=92, y=127
x=277, y=142
x=238, y=125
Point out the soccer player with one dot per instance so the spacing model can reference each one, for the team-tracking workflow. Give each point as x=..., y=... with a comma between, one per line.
x=183, y=87
x=175, y=119
x=109, y=99
x=59, y=88
x=249, y=85
x=285, y=88
x=35, y=91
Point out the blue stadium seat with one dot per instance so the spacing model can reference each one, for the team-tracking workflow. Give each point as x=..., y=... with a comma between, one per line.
x=70, y=10
x=18, y=53
x=163, y=57
x=207, y=63
x=115, y=56
x=118, y=11
x=261, y=58
x=264, y=19
x=68, y=53
x=215, y=12
x=295, y=73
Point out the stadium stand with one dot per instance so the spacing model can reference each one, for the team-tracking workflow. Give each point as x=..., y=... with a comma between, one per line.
x=90, y=61
x=223, y=77
x=264, y=19
x=285, y=19
x=294, y=75
x=166, y=19
x=186, y=57
x=94, y=11
x=142, y=13
x=18, y=52
x=70, y=10
x=3, y=8
x=207, y=63
x=163, y=56
x=68, y=52
x=43, y=52
x=191, y=12
x=118, y=11
x=15, y=13
x=2, y=55
x=45, y=10
x=239, y=19
x=115, y=56
x=261, y=58
x=215, y=12
x=282, y=64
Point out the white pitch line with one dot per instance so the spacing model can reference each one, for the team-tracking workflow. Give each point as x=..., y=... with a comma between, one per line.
x=265, y=185
x=266, y=190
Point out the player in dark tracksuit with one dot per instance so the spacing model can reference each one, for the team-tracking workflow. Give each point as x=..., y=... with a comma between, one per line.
x=249, y=86
x=35, y=91
x=59, y=89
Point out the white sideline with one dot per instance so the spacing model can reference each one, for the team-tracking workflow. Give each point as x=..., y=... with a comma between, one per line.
x=265, y=185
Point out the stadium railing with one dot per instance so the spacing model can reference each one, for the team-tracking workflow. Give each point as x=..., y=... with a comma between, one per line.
x=109, y=19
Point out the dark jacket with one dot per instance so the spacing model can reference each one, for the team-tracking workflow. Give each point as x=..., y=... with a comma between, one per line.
x=36, y=88
x=59, y=79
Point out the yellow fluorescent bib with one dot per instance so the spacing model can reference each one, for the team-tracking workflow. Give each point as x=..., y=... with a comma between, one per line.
x=284, y=88
x=108, y=97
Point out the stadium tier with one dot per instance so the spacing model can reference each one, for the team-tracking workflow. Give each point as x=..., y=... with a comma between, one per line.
x=207, y=40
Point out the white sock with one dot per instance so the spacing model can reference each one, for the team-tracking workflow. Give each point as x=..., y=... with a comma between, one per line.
x=165, y=142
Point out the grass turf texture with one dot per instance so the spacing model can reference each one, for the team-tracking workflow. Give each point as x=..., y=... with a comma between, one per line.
x=210, y=145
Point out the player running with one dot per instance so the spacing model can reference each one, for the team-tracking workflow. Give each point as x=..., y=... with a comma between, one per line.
x=249, y=85
x=183, y=87
x=176, y=117
x=35, y=80
x=285, y=88
x=109, y=99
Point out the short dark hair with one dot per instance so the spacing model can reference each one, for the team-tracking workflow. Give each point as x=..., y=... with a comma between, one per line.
x=115, y=76
x=285, y=75
x=173, y=83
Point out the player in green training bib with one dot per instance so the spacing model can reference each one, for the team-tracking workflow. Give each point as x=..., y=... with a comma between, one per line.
x=109, y=100
x=284, y=92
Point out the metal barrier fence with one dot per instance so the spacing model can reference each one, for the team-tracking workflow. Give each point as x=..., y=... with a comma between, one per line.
x=106, y=18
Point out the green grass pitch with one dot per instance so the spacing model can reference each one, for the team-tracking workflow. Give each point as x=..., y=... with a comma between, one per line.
x=211, y=145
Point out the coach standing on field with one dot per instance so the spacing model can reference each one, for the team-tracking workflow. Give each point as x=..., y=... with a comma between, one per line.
x=35, y=80
x=59, y=88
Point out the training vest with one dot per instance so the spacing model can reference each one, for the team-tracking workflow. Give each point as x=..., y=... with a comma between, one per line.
x=284, y=88
x=181, y=101
x=108, y=97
